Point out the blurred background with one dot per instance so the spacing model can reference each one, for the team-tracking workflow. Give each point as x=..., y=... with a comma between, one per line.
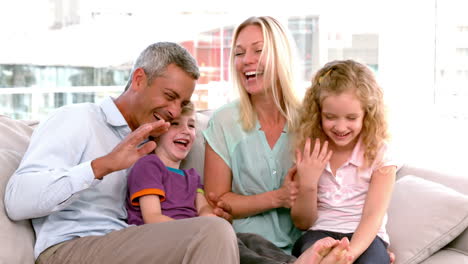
x=58, y=52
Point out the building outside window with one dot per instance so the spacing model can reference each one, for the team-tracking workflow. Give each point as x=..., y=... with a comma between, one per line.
x=73, y=51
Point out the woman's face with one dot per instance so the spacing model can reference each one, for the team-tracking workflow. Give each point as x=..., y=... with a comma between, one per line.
x=247, y=51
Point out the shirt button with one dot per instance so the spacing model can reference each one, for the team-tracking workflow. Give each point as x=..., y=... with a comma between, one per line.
x=85, y=186
x=274, y=171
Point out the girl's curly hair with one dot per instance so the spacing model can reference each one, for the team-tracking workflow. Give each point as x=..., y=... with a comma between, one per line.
x=335, y=78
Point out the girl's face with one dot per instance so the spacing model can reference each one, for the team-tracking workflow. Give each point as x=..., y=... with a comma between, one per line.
x=248, y=48
x=174, y=145
x=342, y=117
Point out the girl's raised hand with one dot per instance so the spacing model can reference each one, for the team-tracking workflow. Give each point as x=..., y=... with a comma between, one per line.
x=310, y=165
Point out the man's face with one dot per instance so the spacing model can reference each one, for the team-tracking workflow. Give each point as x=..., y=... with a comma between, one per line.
x=164, y=97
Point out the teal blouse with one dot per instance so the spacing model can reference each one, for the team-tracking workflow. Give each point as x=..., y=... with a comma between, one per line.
x=256, y=168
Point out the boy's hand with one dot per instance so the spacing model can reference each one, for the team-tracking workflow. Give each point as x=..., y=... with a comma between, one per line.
x=220, y=207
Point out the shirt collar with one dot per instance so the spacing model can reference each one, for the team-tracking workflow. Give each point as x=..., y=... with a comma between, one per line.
x=285, y=128
x=357, y=156
x=112, y=114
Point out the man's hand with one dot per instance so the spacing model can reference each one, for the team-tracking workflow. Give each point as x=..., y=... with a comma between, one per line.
x=220, y=207
x=127, y=152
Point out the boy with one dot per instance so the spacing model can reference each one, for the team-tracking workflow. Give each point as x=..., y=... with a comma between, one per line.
x=158, y=191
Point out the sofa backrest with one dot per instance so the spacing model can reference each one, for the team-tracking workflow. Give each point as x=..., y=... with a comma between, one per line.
x=196, y=157
x=17, y=238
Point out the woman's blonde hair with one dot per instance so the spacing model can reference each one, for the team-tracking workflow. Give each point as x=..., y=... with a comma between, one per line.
x=278, y=71
x=335, y=78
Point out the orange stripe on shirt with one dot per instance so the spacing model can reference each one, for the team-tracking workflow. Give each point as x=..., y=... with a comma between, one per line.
x=159, y=192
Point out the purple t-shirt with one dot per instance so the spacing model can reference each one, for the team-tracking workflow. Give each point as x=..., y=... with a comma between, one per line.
x=177, y=192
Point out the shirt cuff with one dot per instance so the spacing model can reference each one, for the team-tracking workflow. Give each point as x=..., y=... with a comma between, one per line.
x=82, y=176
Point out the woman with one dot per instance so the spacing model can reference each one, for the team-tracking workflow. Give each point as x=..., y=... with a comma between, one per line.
x=248, y=153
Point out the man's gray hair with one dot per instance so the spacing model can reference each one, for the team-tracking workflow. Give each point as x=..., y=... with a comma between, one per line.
x=156, y=57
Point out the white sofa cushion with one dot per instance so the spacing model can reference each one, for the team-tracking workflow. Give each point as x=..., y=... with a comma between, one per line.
x=14, y=135
x=17, y=238
x=423, y=217
x=196, y=157
x=446, y=257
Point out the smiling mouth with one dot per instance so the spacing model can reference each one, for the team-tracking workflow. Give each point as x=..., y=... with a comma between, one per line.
x=157, y=117
x=342, y=134
x=183, y=142
x=252, y=74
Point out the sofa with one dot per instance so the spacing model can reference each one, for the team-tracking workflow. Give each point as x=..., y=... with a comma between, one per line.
x=427, y=217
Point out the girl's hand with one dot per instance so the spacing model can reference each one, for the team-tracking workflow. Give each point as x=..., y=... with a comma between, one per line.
x=287, y=194
x=310, y=165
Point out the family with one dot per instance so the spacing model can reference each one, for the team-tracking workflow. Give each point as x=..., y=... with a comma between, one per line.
x=284, y=181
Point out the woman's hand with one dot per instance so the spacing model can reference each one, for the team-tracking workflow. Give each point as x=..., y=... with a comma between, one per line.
x=220, y=207
x=287, y=194
x=310, y=165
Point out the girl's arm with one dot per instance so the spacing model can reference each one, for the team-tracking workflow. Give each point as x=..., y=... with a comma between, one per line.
x=304, y=210
x=203, y=207
x=375, y=207
x=151, y=210
x=218, y=180
x=310, y=166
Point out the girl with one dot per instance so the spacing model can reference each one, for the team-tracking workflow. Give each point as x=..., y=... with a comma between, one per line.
x=346, y=173
x=247, y=160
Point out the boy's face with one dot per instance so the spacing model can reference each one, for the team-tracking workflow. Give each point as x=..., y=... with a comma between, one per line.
x=175, y=144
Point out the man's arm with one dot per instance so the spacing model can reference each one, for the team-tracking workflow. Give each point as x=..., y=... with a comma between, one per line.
x=53, y=170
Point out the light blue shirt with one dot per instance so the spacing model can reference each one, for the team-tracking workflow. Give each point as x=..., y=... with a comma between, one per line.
x=256, y=168
x=55, y=183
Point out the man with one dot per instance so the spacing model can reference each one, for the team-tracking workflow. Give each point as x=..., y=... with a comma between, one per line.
x=72, y=179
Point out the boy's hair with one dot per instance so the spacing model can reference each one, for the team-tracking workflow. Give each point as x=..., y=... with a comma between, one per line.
x=188, y=109
x=335, y=78
x=278, y=70
x=156, y=57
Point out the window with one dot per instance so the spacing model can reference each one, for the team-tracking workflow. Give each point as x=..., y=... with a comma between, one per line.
x=60, y=54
